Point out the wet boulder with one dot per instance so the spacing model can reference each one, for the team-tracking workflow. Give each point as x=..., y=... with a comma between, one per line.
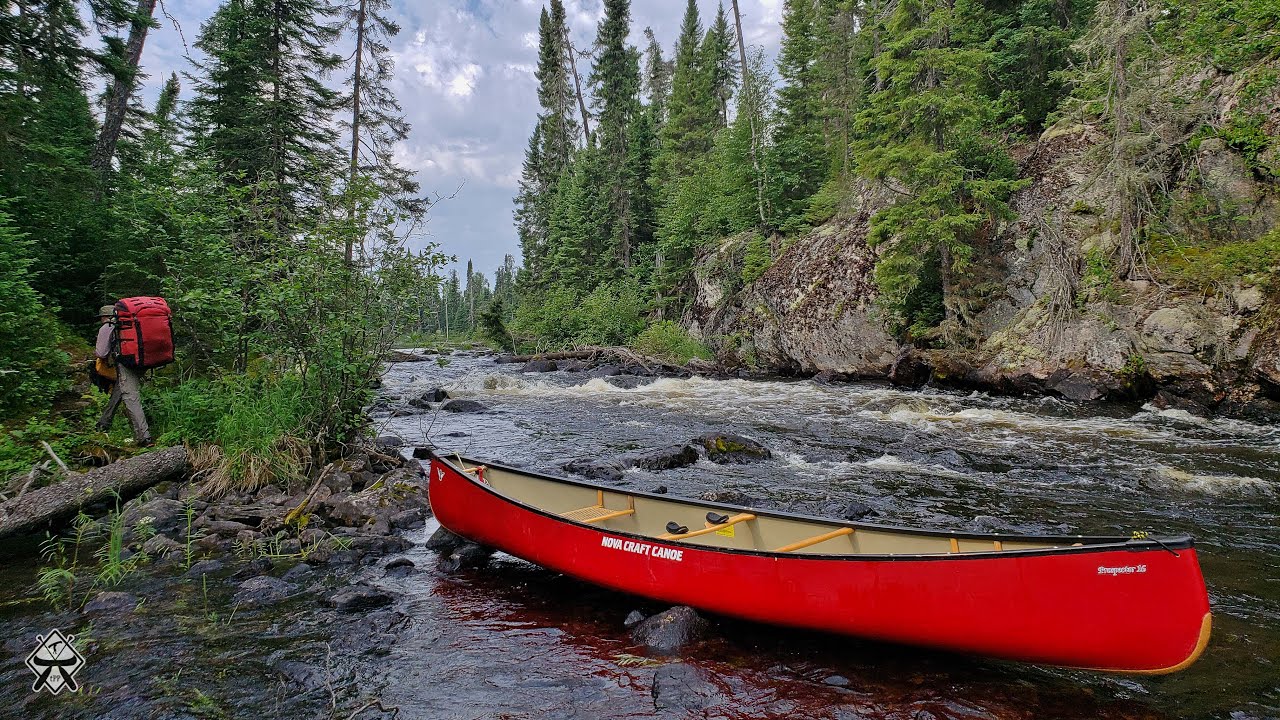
x=425, y=400
x=730, y=449
x=595, y=469
x=665, y=458
x=669, y=631
x=388, y=442
x=444, y=541
x=410, y=519
x=464, y=406
x=466, y=555
x=357, y=598
x=400, y=567
x=167, y=516
x=683, y=688
x=728, y=497
x=910, y=369
x=262, y=590
x=828, y=377
x=1084, y=387
x=857, y=510
x=297, y=572
x=111, y=602
x=539, y=366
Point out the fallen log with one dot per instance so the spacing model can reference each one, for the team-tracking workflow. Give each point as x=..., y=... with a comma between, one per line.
x=563, y=355
x=62, y=499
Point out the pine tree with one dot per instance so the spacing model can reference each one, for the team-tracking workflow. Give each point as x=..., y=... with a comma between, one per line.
x=689, y=132
x=262, y=110
x=123, y=62
x=719, y=63
x=798, y=144
x=48, y=132
x=923, y=136
x=615, y=79
x=657, y=78
x=551, y=147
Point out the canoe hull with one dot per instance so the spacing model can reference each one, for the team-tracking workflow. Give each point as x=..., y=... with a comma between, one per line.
x=1139, y=611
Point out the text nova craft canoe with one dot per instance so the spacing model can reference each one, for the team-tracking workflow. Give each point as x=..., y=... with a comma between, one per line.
x=1104, y=603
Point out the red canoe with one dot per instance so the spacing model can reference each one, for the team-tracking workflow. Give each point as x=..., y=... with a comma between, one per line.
x=1103, y=603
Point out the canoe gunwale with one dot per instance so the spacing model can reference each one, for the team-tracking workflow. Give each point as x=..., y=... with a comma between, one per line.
x=1100, y=543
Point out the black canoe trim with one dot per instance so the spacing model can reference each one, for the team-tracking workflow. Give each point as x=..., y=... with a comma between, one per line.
x=1100, y=543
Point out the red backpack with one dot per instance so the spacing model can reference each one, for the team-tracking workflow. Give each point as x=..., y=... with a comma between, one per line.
x=144, y=332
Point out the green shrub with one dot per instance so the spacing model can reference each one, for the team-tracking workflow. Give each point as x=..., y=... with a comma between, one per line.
x=669, y=341
x=247, y=428
x=611, y=314
x=32, y=368
x=1217, y=267
x=758, y=258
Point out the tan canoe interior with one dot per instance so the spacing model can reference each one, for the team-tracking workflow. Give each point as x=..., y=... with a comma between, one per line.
x=620, y=511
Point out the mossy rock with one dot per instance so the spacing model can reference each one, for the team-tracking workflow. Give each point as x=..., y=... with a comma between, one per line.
x=730, y=449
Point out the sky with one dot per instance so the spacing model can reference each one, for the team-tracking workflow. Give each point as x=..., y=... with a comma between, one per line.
x=464, y=77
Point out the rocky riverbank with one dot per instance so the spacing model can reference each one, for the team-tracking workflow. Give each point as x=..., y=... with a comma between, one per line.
x=1041, y=310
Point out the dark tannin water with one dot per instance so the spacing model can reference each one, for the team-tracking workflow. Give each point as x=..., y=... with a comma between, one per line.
x=514, y=640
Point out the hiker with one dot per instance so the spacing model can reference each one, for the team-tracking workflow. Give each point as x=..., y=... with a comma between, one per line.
x=127, y=386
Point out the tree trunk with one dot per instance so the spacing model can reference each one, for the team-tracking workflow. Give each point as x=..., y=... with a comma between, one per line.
x=355, y=125
x=64, y=499
x=121, y=89
x=577, y=86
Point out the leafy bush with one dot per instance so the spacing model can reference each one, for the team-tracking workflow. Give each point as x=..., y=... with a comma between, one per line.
x=669, y=341
x=611, y=314
x=757, y=259
x=32, y=368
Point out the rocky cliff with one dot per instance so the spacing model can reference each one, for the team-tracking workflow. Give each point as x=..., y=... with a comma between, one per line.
x=1044, y=315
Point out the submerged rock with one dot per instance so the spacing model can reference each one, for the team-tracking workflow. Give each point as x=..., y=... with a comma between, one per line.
x=262, y=590
x=665, y=458
x=595, y=469
x=727, y=448
x=400, y=567
x=433, y=395
x=357, y=598
x=464, y=406
x=539, y=366
x=466, y=555
x=682, y=687
x=669, y=631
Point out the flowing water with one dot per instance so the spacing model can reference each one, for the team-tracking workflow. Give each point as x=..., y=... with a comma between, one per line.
x=524, y=642
x=512, y=640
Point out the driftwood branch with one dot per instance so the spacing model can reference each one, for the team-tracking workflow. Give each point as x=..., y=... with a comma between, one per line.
x=62, y=499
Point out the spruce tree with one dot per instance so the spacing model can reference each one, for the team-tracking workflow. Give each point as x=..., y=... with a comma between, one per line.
x=798, y=144
x=720, y=64
x=615, y=79
x=923, y=136
x=657, y=78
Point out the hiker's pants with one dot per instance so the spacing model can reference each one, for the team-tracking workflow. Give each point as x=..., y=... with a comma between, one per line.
x=127, y=389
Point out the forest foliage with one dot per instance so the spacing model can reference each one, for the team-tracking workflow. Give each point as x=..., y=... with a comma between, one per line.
x=262, y=200
x=923, y=101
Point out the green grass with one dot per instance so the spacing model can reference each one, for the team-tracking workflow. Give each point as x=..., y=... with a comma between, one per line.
x=668, y=341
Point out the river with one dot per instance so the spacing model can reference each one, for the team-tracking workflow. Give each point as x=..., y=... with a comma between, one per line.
x=533, y=644
x=512, y=640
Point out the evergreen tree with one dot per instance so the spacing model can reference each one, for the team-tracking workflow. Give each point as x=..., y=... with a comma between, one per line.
x=262, y=110
x=798, y=143
x=720, y=64
x=923, y=135
x=552, y=145
x=657, y=78
x=615, y=78
x=48, y=132
x=689, y=132
x=376, y=122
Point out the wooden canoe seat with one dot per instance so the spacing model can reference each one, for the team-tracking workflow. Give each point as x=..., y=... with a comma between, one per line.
x=740, y=517
x=598, y=512
x=815, y=540
x=595, y=513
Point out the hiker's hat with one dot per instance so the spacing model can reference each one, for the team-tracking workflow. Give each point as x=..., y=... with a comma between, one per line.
x=107, y=311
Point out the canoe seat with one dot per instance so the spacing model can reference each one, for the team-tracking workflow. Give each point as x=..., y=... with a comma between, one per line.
x=598, y=512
